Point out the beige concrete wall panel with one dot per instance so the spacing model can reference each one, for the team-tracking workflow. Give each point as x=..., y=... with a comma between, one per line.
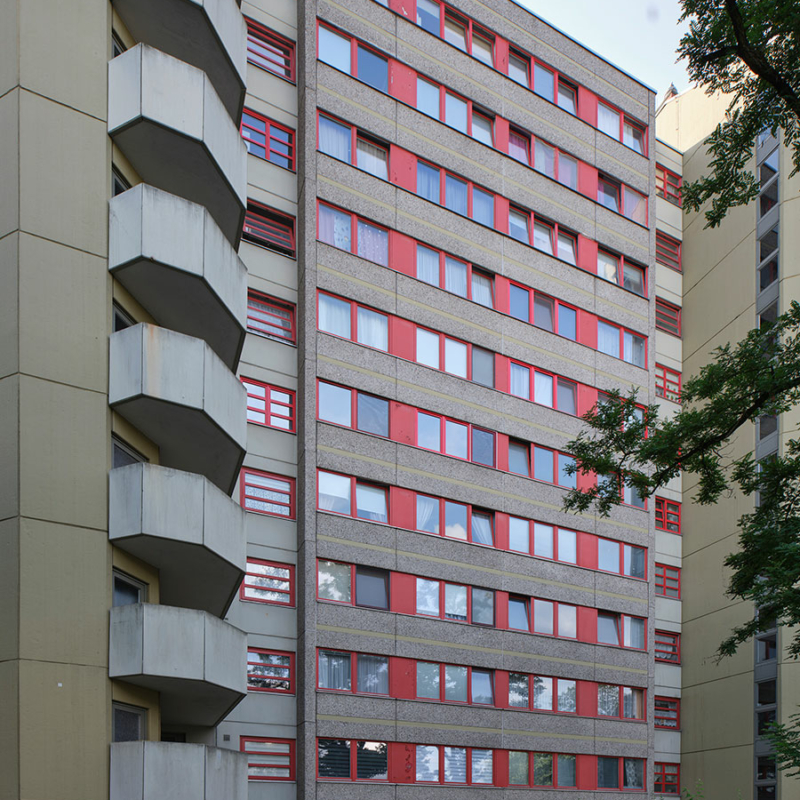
x=669, y=217
x=47, y=630
x=265, y=371
x=75, y=700
x=50, y=63
x=9, y=304
x=281, y=358
x=669, y=284
x=270, y=272
x=9, y=729
x=278, y=446
x=668, y=156
x=689, y=118
x=668, y=544
x=9, y=47
x=9, y=594
x=272, y=532
x=258, y=707
x=63, y=421
x=64, y=195
x=279, y=95
x=63, y=302
x=360, y=19
x=280, y=15
x=9, y=146
x=278, y=186
x=668, y=676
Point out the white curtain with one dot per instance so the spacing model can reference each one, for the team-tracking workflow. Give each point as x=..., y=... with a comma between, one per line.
x=455, y=357
x=482, y=290
x=334, y=670
x=428, y=182
x=334, y=227
x=518, y=147
x=373, y=674
x=373, y=329
x=373, y=243
x=608, y=339
x=455, y=276
x=455, y=439
x=427, y=348
x=634, y=350
x=520, y=379
x=543, y=237
x=427, y=514
x=543, y=389
x=427, y=265
x=481, y=529
x=334, y=316
x=372, y=158
x=334, y=139
x=455, y=110
x=545, y=159
x=568, y=171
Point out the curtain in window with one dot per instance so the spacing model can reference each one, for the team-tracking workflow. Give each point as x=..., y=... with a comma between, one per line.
x=634, y=350
x=334, y=139
x=334, y=670
x=456, y=195
x=632, y=704
x=483, y=207
x=608, y=267
x=543, y=237
x=635, y=206
x=520, y=378
x=543, y=389
x=481, y=529
x=518, y=147
x=634, y=773
x=334, y=227
x=455, y=357
x=373, y=243
x=455, y=111
x=427, y=348
x=455, y=765
x=373, y=674
x=482, y=290
x=455, y=276
x=334, y=316
x=545, y=159
x=428, y=182
x=608, y=339
x=372, y=158
x=543, y=540
x=568, y=171
x=373, y=329
x=334, y=493
x=427, y=514
x=427, y=265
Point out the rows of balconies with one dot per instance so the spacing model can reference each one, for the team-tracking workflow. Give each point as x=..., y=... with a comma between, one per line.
x=173, y=111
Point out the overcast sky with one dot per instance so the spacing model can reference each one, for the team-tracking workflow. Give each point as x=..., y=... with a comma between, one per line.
x=639, y=36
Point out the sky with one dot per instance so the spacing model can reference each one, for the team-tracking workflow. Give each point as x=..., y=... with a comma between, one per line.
x=639, y=36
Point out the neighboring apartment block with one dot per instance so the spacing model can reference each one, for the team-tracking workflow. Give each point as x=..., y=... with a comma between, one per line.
x=301, y=303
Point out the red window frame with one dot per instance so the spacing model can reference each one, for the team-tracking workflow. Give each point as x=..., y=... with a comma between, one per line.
x=668, y=581
x=530, y=605
x=246, y=493
x=443, y=685
x=668, y=383
x=554, y=782
x=668, y=515
x=443, y=425
x=471, y=108
x=470, y=511
x=556, y=232
x=557, y=305
x=669, y=251
x=469, y=776
x=668, y=647
x=354, y=484
x=270, y=228
x=271, y=308
x=354, y=395
x=622, y=333
x=254, y=762
x=443, y=584
x=279, y=55
x=470, y=268
x=354, y=221
x=621, y=550
x=352, y=746
x=667, y=713
x=623, y=263
x=284, y=674
x=558, y=382
x=554, y=709
x=355, y=136
x=354, y=46
x=621, y=702
x=666, y=777
x=274, y=144
x=668, y=185
x=352, y=601
x=620, y=620
x=354, y=307
x=624, y=120
x=556, y=529
x=268, y=403
x=250, y=577
x=668, y=317
x=354, y=655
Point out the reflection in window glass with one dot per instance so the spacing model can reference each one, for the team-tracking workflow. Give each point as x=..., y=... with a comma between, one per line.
x=427, y=348
x=373, y=415
x=544, y=82
x=483, y=207
x=373, y=69
x=427, y=680
x=334, y=404
x=334, y=492
x=427, y=597
x=428, y=16
x=455, y=520
x=333, y=581
x=371, y=503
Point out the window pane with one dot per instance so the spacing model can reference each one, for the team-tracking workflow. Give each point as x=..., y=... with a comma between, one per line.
x=455, y=357
x=483, y=49
x=608, y=121
x=608, y=195
x=567, y=321
x=633, y=773
x=482, y=289
x=455, y=602
x=545, y=159
x=455, y=764
x=483, y=447
x=482, y=366
x=607, y=628
x=519, y=147
x=482, y=761
x=373, y=415
x=543, y=308
x=607, y=700
x=568, y=171
x=633, y=137
x=518, y=614
x=567, y=774
x=334, y=404
x=632, y=703
x=519, y=534
x=427, y=514
x=567, y=397
x=518, y=690
x=427, y=98
x=335, y=139
x=483, y=207
x=334, y=49
x=333, y=754
x=427, y=756
x=518, y=226
x=335, y=228
x=455, y=276
x=429, y=430
x=519, y=306
x=635, y=206
x=607, y=555
x=372, y=158
x=634, y=349
x=567, y=621
x=455, y=684
x=634, y=561
x=567, y=698
x=567, y=546
x=334, y=581
x=427, y=348
x=373, y=69
x=517, y=768
x=542, y=616
x=334, y=670
x=543, y=464
x=427, y=182
x=334, y=492
x=428, y=265
x=373, y=674
x=427, y=597
x=373, y=329
x=482, y=687
x=427, y=680
x=482, y=528
x=543, y=540
x=334, y=316
x=607, y=339
x=607, y=770
x=455, y=33
x=371, y=503
x=542, y=769
x=543, y=82
x=455, y=194
x=372, y=761
x=608, y=267
x=566, y=100
x=455, y=111
x=482, y=129
x=455, y=439
x=482, y=607
x=543, y=389
x=455, y=520
x=518, y=458
x=633, y=279
x=518, y=69
x=543, y=237
x=634, y=632
x=428, y=18
x=520, y=381
x=372, y=587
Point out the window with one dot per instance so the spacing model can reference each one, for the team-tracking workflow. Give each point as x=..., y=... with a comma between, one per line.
x=268, y=582
x=668, y=383
x=456, y=439
x=768, y=258
x=428, y=16
x=620, y=773
x=270, y=405
x=668, y=515
x=668, y=647
x=268, y=139
x=122, y=454
x=608, y=194
x=668, y=581
x=668, y=251
x=343, y=759
x=372, y=68
x=544, y=82
x=269, y=228
x=667, y=712
x=265, y=493
x=351, y=321
x=454, y=765
x=634, y=205
x=352, y=409
x=539, y=693
x=356, y=235
x=117, y=47
x=271, y=318
x=118, y=182
x=616, y=342
x=342, y=494
x=567, y=96
x=626, y=702
x=667, y=778
x=455, y=602
x=454, y=520
x=549, y=618
x=448, y=683
x=608, y=120
x=519, y=146
x=353, y=672
x=668, y=185
x=270, y=50
x=619, y=270
x=270, y=671
x=483, y=46
x=482, y=127
x=623, y=559
x=334, y=49
x=269, y=759
x=128, y=723
x=668, y=317
x=621, y=630
x=541, y=769
x=633, y=136
x=127, y=590
x=345, y=143
x=519, y=67
x=336, y=582
x=542, y=541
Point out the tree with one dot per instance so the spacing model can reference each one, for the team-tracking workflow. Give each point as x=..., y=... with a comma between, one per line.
x=750, y=50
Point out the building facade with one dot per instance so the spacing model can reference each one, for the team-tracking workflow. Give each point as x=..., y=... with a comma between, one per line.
x=326, y=288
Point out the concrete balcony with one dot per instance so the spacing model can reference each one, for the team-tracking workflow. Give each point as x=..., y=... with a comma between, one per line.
x=173, y=258
x=208, y=34
x=180, y=394
x=196, y=661
x=182, y=524
x=158, y=770
x=171, y=125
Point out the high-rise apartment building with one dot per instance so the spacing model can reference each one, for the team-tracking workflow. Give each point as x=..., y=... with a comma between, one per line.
x=301, y=304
